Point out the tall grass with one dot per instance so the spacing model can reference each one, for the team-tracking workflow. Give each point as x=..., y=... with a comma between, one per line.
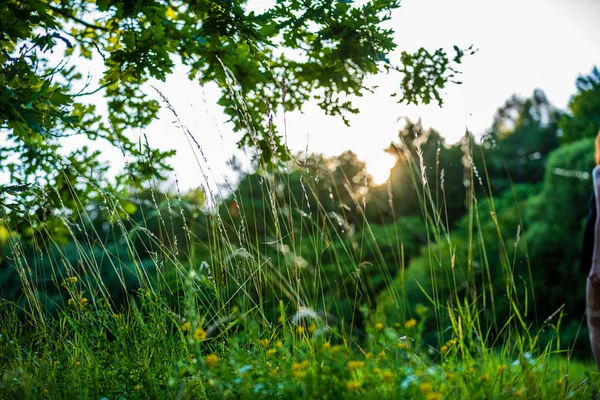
x=274, y=299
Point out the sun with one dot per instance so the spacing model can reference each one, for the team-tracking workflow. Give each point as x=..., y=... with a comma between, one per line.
x=379, y=167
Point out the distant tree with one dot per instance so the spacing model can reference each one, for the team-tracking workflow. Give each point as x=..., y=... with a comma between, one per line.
x=524, y=132
x=583, y=119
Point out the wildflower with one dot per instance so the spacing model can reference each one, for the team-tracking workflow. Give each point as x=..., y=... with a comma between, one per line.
x=452, y=342
x=71, y=302
x=264, y=342
x=352, y=365
x=326, y=345
x=298, y=369
x=484, y=378
x=381, y=355
x=444, y=349
x=278, y=343
x=312, y=328
x=271, y=352
x=411, y=323
x=78, y=363
x=211, y=360
x=519, y=393
x=369, y=355
x=450, y=376
x=137, y=387
x=379, y=326
x=300, y=330
x=351, y=386
x=501, y=368
x=402, y=345
x=376, y=371
x=186, y=327
x=199, y=334
x=83, y=301
x=558, y=382
x=387, y=376
x=274, y=371
x=72, y=279
x=426, y=387
x=46, y=391
x=434, y=396
x=116, y=316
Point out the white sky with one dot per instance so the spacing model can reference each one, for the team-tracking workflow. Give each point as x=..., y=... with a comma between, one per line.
x=523, y=45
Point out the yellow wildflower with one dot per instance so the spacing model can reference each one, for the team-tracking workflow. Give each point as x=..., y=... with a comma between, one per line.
x=312, y=328
x=376, y=371
x=452, y=342
x=78, y=363
x=352, y=365
x=326, y=345
x=381, y=355
x=434, y=396
x=484, y=378
x=387, y=376
x=558, y=382
x=186, y=327
x=271, y=352
x=83, y=301
x=199, y=334
x=519, y=393
x=298, y=369
x=352, y=386
x=369, y=355
x=379, y=326
x=264, y=342
x=72, y=279
x=137, y=387
x=444, y=349
x=211, y=360
x=278, y=343
x=403, y=345
x=501, y=368
x=411, y=323
x=300, y=330
x=426, y=387
x=274, y=371
x=70, y=301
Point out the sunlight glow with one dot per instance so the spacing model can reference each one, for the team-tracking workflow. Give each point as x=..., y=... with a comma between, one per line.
x=379, y=167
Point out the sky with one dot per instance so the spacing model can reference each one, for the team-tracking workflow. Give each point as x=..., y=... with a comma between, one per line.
x=522, y=45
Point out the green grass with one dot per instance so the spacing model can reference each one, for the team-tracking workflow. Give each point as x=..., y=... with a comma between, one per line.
x=273, y=299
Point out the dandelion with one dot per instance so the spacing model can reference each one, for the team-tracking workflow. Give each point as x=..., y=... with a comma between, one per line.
x=444, y=349
x=278, y=343
x=71, y=302
x=387, y=376
x=484, y=378
x=211, y=360
x=274, y=371
x=300, y=330
x=501, y=368
x=186, y=327
x=379, y=326
x=381, y=355
x=369, y=355
x=326, y=345
x=78, y=363
x=199, y=334
x=434, y=396
x=264, y=342
x=298, y=369
x=83, y=301
x=352, y=365
x=271, y=352
x=452, y=342
x=403, y=345
x=72, y=279
x=352, y=386
x=426, y=387
x=411, y=323
x=376, y=371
